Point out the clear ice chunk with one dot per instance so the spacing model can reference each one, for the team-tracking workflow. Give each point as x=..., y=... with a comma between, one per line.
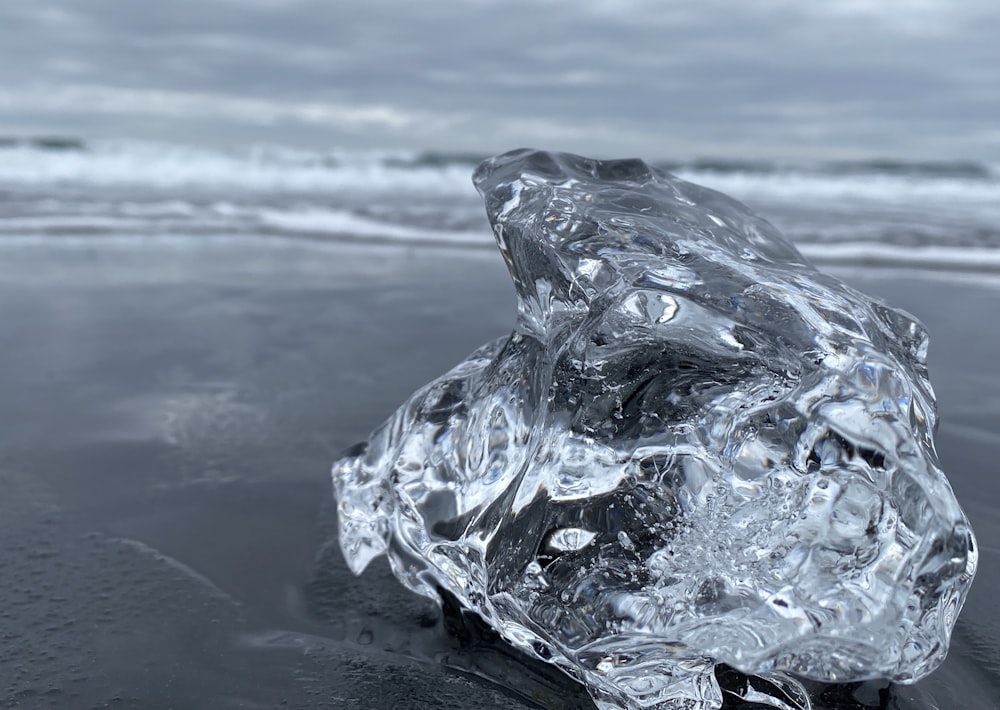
x=693, y=449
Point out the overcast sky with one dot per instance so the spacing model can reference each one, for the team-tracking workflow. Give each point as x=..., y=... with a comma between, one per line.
x=656, y=78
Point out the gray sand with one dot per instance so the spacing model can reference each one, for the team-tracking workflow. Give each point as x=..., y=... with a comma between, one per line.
x=168, y=418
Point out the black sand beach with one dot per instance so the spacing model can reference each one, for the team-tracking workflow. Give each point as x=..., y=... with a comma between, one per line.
x=169, y=415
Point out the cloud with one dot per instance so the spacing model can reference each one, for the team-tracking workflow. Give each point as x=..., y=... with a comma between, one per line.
x=782, y=78
x=201, y=105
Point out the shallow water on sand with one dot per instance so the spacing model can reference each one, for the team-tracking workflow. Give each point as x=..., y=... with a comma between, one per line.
x=170, y=413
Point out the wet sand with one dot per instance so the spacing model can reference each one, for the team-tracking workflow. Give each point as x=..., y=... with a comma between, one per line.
x=169, y=416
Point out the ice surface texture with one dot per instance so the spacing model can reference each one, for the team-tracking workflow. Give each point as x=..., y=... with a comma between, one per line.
x=693, y=449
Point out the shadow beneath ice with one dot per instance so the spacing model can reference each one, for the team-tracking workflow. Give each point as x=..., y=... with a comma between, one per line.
x=870, y=695
x=479, y=651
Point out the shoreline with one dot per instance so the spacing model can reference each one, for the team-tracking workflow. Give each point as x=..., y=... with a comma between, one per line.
x=891, y=259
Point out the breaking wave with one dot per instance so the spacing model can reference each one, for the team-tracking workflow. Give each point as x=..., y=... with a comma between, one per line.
x=927, y=214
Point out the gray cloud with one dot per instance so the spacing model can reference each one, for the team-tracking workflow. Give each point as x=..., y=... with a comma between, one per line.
x=909, y=78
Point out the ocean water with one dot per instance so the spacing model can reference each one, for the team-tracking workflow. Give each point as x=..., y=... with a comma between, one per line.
x=945, y=215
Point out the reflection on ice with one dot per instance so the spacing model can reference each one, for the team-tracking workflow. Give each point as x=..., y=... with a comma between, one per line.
x=694, y=449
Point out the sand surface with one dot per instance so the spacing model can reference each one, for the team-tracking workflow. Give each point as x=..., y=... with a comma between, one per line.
x=168, y=417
